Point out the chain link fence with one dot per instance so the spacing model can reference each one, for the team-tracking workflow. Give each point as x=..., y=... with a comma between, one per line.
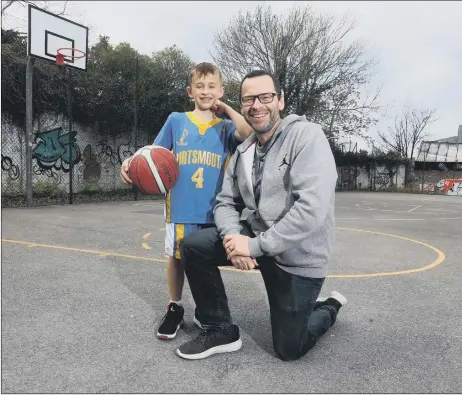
x=80, y=165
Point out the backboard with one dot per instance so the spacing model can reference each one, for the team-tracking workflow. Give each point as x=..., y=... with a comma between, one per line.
x=49, y=32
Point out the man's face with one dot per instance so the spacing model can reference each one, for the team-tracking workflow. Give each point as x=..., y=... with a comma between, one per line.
x=261, y=116
x=205, y=90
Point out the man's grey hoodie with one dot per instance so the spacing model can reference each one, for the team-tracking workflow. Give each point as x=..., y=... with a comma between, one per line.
x=294, y=221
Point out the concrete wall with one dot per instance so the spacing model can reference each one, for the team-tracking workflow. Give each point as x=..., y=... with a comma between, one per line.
x=96, y=159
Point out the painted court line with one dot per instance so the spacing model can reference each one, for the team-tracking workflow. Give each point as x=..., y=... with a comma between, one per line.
x=440, y=257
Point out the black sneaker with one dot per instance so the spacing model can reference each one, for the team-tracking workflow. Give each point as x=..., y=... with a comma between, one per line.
x=335, y=299
x=211, y=341
x=171, y=322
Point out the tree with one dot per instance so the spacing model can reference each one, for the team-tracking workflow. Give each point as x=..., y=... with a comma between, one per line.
x=45, y=5
x=408, y=131
x=320, y=74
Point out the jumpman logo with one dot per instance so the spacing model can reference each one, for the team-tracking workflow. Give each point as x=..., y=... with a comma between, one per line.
x=284, y=162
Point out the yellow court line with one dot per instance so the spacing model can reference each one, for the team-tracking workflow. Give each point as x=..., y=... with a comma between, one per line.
x=440, y=258
x=101, y=253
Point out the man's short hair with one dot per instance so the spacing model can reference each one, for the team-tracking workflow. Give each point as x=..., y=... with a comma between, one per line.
x=204, y=68
x=259, y=73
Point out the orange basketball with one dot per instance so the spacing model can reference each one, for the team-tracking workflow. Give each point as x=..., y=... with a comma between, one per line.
x=153, y=170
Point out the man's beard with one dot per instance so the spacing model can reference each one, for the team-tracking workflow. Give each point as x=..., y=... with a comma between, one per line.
x=262, y=130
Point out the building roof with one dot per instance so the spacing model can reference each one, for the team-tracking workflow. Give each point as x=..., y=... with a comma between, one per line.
x=435, y=151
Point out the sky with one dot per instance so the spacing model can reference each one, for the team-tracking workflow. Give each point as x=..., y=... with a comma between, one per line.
x=418, y=45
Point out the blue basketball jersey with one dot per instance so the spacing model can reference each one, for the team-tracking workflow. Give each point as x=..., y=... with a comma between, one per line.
x=203, y=152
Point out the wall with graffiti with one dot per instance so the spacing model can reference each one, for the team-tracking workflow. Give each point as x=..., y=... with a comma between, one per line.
x=360, y=178
x=96, y=160
x=433, y=181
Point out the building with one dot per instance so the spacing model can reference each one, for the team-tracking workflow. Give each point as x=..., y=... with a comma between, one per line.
x=455, y=139
x=441, y=154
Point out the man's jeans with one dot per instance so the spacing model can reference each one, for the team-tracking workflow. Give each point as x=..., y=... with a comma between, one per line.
x=296, y=327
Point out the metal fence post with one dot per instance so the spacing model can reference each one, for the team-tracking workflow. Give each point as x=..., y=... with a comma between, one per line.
x=136, y=112
x=29, y=128
x=69, y=114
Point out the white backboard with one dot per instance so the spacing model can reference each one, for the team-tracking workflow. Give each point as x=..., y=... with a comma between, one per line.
x=49, y=32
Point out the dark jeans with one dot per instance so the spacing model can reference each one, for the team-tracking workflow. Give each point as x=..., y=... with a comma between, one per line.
x=296, y=325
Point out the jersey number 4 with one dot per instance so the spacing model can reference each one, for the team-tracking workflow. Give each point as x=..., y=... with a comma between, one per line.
x=198, y=178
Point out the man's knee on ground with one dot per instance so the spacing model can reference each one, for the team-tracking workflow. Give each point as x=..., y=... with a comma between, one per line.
x=290, y=350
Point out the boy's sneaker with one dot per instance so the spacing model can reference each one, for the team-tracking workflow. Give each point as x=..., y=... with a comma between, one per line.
x=211, y=341
x=171, y=322
x=335, y=299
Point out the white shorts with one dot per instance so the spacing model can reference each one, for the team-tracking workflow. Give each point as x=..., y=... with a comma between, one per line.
x=174, y=233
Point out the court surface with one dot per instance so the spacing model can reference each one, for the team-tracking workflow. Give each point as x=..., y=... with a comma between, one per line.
x=83, y=290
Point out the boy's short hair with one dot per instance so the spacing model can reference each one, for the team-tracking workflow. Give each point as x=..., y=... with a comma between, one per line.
x=204, y=68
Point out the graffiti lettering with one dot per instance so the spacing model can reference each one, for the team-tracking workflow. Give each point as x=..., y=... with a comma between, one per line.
x=52, y=150
x=453, y=187
x=99, y=159
x=115, y=156
x=382, y=179
x=47, y=172
x=11, y=169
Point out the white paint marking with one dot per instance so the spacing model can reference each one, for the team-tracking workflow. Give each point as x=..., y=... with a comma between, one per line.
x=415, y=208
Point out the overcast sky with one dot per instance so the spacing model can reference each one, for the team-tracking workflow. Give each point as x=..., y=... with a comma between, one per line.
x=418, y=45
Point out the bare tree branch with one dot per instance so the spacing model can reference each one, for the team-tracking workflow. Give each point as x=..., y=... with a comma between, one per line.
x=320, y=74
x=408, y=131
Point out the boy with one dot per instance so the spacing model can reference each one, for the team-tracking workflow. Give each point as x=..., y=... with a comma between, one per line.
x=203, y=145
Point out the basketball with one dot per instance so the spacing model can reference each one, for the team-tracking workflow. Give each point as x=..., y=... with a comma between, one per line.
x=153, y=170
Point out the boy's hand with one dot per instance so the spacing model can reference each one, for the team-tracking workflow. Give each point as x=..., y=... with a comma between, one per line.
x=124, y=171
x=218, y=107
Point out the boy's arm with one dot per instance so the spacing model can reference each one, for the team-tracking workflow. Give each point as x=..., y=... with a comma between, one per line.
x=229, y=206
x=243, y=129
x=165, y=136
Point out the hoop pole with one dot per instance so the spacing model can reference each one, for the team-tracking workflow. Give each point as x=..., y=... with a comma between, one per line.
x=69, y=114
x=29, y=128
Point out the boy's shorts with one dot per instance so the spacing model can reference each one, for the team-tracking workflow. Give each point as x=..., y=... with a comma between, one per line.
x=173, y=235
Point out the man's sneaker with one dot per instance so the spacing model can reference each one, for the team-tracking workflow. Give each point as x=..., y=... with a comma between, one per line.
x=171, y=322
x=335, y=299
x=211, y=341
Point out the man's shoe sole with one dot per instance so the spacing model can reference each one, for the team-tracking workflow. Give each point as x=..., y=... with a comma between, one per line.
x=197, y=322
x=230, y=347
x=334, y=295
x=164, y=336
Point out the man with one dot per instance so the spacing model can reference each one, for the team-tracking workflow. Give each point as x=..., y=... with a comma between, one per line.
x=275, y=210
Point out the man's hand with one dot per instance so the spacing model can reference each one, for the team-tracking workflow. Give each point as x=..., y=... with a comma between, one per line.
x=244, y=262
x=236, y=245
x=219, y=107
x=124, y=171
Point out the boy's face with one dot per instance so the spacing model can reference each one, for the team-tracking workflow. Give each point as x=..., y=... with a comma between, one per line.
x=205, y=90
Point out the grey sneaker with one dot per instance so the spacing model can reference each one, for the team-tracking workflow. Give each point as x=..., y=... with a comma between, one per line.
x=211, y=341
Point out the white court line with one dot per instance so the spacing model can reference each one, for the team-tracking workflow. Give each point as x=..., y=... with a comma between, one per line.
x=403, y=219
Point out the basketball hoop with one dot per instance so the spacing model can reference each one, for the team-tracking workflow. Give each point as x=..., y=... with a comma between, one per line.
x=60, y=57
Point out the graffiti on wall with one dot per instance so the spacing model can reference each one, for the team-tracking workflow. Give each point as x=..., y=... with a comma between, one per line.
x=382, y=180
x=453, y=187
x=10, y=168
x=52, y=151
x=102, y=158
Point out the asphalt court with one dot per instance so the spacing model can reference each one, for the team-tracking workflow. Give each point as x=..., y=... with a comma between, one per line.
x=83, y=289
